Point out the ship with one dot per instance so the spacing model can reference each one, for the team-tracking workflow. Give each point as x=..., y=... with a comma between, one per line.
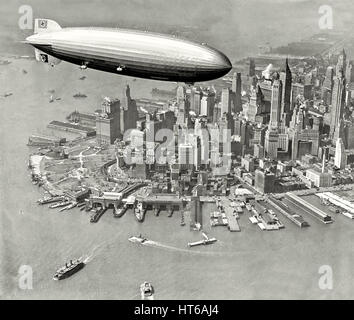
x=60, y=204
x=138, y=239
x=79, y=95
x=120, y=211
x=204, y=242
x=69, y=269
x=47, y=200
x=140, y=212
x=147, y=291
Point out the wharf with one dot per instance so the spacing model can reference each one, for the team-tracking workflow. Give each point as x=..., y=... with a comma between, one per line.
x=233, y=223
x=285, y=211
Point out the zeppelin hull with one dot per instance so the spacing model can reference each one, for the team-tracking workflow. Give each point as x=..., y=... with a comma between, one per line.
x=136, y=54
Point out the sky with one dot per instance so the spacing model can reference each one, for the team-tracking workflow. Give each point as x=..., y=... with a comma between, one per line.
x=236, y=27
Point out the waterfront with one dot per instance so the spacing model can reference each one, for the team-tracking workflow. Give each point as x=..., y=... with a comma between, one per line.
x=250, y=264
x=247, y=264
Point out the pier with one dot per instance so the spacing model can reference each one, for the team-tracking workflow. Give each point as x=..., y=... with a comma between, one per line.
x=285, y=211
x=308, y=208
x=337, y=201
x=158, y=202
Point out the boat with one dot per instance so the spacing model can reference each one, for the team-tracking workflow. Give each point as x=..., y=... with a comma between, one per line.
x=140, y=212
x=70, y=206
x=47, y=200
x=204, y=242
x=147, y=291
x=138, y=239
x=79, y=95
x=69, y=269
x=98, y=213
x=119, y=212
x=59, y=204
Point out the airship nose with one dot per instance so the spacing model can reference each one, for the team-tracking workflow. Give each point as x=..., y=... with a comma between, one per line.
x=224, y=62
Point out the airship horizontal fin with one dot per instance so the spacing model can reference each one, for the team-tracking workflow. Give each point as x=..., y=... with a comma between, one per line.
x=45, y=25
x=46, y=58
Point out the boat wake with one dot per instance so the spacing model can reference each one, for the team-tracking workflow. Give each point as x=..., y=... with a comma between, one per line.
x=88, y=258
x=156, y=244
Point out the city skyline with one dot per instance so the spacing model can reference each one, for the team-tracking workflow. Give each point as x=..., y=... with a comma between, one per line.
x=127, y=188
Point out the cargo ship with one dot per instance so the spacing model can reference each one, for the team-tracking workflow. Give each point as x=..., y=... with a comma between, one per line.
x=69, y=269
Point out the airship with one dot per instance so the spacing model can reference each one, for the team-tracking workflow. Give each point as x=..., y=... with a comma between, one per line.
x=128, y=52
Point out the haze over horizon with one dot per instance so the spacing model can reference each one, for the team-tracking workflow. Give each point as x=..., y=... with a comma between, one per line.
x=233, y=26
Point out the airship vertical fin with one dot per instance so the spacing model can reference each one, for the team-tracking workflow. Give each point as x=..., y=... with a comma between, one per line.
x=45, y=25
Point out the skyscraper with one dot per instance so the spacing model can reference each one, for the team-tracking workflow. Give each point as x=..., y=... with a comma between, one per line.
x=237, y=92
x=337, y=109
x=327, y=86
x=286, y=79
x=342, y=64
x=128, y=111
x=207, y=105
x=339, y=158
x=252, y=68
x=349, y=74
x=226, y=101
x=276, y=100
x=108, y=122
x=271, y=144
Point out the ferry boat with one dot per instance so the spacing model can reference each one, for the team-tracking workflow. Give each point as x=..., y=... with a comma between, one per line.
x=138, y=239
x=147, y=291
x=204, y=242
x=140, y=212
x=69, y=269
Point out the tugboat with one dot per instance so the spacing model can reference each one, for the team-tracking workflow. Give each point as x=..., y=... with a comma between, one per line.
x=138, y=239
x=69, y=269
x=147, y=291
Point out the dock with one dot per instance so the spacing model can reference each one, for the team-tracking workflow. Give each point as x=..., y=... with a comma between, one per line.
x=284, y=210
x=232, y=219
x=308, y=208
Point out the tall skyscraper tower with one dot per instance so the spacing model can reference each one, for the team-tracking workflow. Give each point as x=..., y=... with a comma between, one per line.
x=108, y=122
x=338, y=100
x=349, y=74
x=226, y=101
x=342, y=64
x=327, y=86
x=207, y=104
x=286, y=79
x=252, y=68
x=275, y=108
x=237, y=92
x=339, y=158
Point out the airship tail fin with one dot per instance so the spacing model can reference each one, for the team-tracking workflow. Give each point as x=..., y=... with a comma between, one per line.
x=45, y=25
